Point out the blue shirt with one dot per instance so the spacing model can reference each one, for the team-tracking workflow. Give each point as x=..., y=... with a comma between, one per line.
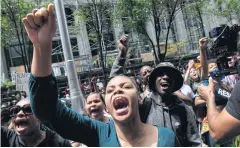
x=76, y=127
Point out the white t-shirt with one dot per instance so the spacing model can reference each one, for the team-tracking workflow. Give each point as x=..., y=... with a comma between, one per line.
x=187, y=90
x=100, y=85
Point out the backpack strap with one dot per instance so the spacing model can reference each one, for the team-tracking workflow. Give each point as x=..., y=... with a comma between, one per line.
x=144, y=109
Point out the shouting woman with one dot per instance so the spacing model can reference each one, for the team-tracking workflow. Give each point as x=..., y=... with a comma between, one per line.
x=126, y=128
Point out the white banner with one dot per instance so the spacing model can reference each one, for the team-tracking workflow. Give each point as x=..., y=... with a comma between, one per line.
x=21, y=80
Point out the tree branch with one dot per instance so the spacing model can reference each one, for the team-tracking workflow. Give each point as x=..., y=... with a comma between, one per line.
x=169, y=27
x=150, y=40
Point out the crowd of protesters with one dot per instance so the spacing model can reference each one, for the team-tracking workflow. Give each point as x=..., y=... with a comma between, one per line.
x=162, y=107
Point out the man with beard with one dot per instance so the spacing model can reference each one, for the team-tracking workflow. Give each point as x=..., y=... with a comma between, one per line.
x=28, y=130
x=162, y=107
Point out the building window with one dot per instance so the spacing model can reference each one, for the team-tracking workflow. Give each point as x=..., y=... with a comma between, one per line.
x=163, y=24
x=17, y=61
x=69, y=17
x=74, y=47
x=107, y=29
x=192, y=22
x=57, y=54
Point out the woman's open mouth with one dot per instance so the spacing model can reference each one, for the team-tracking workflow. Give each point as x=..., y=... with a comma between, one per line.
x=21, y=125
x=94, y=111
x=120, y=104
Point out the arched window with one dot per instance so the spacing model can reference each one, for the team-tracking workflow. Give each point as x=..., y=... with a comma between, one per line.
x=69, y=16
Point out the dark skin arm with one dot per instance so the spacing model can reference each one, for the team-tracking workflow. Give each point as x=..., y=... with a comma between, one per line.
x=218, y=120
x=199, y=102
x=183, y=97
x=41, y=39
x=119, y=63
x=203, y=57
x=186, y=77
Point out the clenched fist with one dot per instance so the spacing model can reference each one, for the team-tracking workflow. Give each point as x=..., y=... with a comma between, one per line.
x=40, y=26
x=190, y=64
x=123, y=44
x=203, y=43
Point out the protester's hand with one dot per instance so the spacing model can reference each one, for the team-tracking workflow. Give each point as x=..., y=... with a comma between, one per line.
x=93, y=79
x=203, y=43
x=123, y=44
x=41, y=25
x=198, y=58
x=190, y=64
x=207, y=92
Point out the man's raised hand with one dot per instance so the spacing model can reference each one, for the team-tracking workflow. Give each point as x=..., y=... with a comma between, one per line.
x=41, y=26
x=203, y=43
x=123, y=44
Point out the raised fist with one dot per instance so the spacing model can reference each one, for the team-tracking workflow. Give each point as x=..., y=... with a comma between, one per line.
x=203, y=43
x=190, y=64
x=93, y=79
x=40, y=25
x=123, y=44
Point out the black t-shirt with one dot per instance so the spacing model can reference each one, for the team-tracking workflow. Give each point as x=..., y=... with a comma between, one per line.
x=222, y=94
x=233, y=105
x=9, y=138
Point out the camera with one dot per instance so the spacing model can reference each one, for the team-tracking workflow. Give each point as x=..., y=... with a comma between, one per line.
x=225, y=44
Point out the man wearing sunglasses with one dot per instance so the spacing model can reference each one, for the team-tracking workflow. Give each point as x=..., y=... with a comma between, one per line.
x=28, y=130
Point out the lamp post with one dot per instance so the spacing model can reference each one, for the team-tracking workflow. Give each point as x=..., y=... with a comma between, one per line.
x=76, y=95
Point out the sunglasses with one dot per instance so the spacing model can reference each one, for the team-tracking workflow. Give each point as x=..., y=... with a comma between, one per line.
x=16, y=109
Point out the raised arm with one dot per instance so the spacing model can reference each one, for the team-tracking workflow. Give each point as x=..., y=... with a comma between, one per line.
x=229, y=118
x=40, y=26
x=66, y=122
x=186, y=77
x=203, y=57
x=120, y=60
x=183, y=97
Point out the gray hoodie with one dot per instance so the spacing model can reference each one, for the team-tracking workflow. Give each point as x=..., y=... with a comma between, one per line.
x=178, y=117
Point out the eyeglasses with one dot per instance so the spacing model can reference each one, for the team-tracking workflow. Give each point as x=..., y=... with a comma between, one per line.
x=16, y=109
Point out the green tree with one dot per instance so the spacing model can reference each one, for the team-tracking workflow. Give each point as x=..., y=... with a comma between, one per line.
x=12, y=29
x=7, y=84
x=142, y=11
x=13, y=32
x=98, y=17
x=227, y=8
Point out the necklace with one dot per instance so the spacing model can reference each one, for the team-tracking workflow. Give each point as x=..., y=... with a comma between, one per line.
x=133, y=143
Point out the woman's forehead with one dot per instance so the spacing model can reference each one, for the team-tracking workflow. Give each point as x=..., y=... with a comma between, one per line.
x=93, y=96
x=192, y=69
x=146, y=68
x=119, y=80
